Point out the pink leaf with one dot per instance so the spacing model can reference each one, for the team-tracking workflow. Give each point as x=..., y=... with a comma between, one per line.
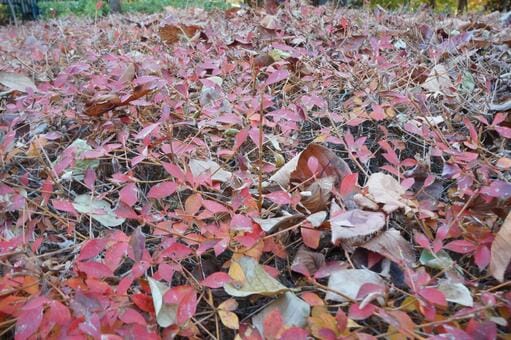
x=129, y=194
x=348, y=184
x=28, y=322
x=279, y=197
x=294, y=333
x=94, y=269
x=277, y=76
x=216, y=280
x=64, y=205
x=214, y=207
x=482, y=257
x=162, y=190
x=357, y=313
x=92, y=248
x=311, y=237
x=433, y=296
x=460, y=246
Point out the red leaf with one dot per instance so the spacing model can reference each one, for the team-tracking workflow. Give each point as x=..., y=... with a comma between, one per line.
x=482, y=257
x=129, y=194
x=294, y=333
x=193, y=203
x=64, y=205
x=311, y=237
x=498, y=188
x=144, y=302
x=162, y=190
x=187, y=306
x=214, y=207
x=28, y=322
x=59, y=313
x=94, y=269
x=177, y=251
x=272, y=324
x=460, y=246
x=504, y=131
x=348, y=184
x=279, y=197
x=277, y=76
x=216, y=280
x=91, y=248
x=433, y=296
x=357, y=313
x=342, y=320
x=132, y=316
x=175, y=171
x=137, y=244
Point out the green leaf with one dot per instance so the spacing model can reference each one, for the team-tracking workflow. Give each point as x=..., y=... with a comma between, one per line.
x=440, y=260
x=467, y=82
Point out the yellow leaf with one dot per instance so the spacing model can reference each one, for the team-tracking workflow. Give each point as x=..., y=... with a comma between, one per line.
x=322, y=319
x=229, y=319
x=236, y=272
x=228, y=305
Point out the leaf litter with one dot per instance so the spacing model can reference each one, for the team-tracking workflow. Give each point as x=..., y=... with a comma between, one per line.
x=226, y=173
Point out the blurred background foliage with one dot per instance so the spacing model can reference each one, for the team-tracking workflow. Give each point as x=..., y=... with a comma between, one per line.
x=59, y=8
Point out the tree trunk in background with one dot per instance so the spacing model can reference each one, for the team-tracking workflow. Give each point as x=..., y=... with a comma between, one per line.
x=115, y=6
x=462, y=6
x=432, y=4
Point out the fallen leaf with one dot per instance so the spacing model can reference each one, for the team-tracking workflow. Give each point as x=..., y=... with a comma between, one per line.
x=307, y=262
x=173, y=32
x=355, y=227
x=385, y=189
x=256, y=280
x=297, y=169
x=501, y=250
x=99, y=210
x=294, y=312
x=16, y=81
x=348, y=283
x=200, y=167
x=438, y=81
x=393, y=246
x=456, y=292
x=166, y=314
x=269, y=225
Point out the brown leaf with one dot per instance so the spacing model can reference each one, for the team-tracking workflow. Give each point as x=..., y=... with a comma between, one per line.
x=307, y=262
x=171, y=33
x=105, y=103
x=501, y=250
x=297, y=169
x=320, y=192
x=102, y=104
x=329, y=164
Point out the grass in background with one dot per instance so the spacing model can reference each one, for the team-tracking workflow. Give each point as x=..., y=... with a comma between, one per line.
x=51, y=9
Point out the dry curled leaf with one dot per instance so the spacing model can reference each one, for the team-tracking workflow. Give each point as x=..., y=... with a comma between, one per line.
x=501, y=250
